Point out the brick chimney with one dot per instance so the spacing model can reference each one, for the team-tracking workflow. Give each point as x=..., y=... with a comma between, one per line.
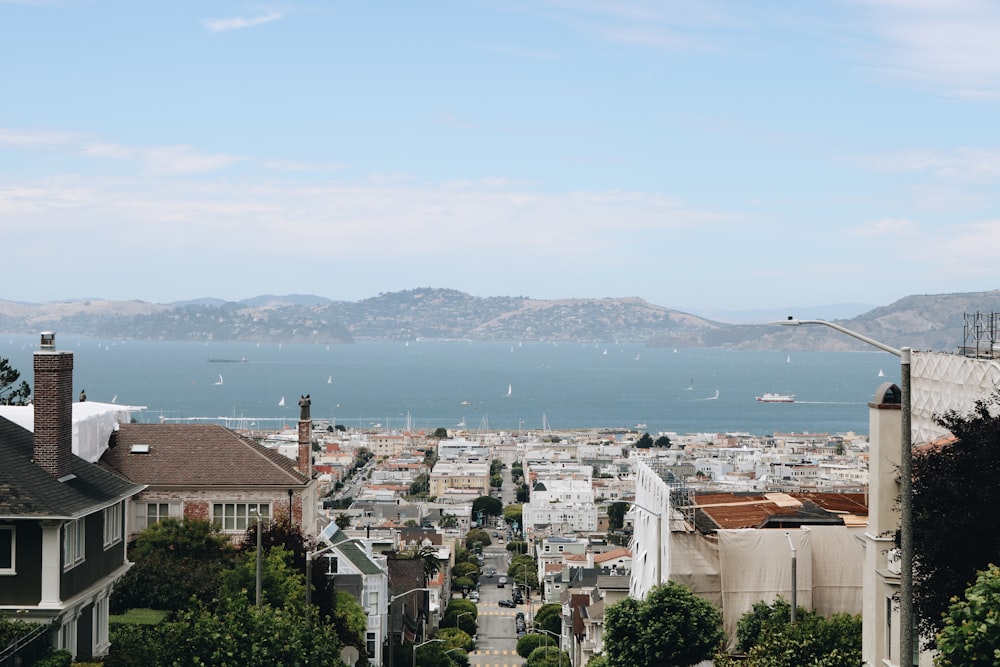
x=53, y=441
x=304, y=459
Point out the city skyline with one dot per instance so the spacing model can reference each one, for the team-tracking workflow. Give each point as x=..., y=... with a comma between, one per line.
x=704, y=156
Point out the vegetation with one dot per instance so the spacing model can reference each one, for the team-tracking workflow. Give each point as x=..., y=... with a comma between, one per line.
x=769, y=638
x=546, y=657
x=616, y=515
x=488, y=505
x=549, y=618
x=971, y=632
x=513, y=514
x=12, y=393
x=477, y=536
x=644, y=442
x=671, y=626
x=421, y=485
x=523, y=570
x=461, y=614
x=175, y=560
x=529, y=642
x=956, y=530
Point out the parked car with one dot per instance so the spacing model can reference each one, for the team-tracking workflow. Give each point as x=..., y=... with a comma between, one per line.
x=519, y=615
x=506, y=603
x=474, y=596
x=501, y=582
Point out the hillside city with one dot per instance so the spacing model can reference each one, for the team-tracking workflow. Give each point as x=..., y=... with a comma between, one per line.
x=542, y=538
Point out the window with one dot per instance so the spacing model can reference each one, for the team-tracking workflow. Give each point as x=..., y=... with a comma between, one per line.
x=112, y=525
x=74, y=544
x=232, y=517
x=101, y=640
x=67, y=635
x=370, y=641
x=149, y=513
x=8, y=544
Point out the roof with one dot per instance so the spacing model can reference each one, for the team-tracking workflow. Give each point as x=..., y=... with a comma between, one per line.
x=359, y=558
x=620, y=552
x=27, y=491
x=755, y=510
x=197, y=455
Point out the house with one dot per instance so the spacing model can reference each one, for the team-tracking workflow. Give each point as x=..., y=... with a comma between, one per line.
x=62, y=518
x=209, y=472
x=357, y=570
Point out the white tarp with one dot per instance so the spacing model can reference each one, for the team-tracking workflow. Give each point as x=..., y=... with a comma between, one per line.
x=93, y=424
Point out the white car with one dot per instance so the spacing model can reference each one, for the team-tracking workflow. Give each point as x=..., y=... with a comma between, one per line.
x=501, y=582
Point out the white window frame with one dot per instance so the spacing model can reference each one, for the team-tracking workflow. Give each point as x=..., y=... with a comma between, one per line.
x=67, y=635
x=113, y=522
x=102, y=641
x=144, y=519
x=370, y=644
x=13, y=550
x=236, y=517
x=74, y=543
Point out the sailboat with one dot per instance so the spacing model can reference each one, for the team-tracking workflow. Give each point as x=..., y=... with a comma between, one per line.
x=880, y=373
x=690, y=387
x=281, y=403
x=219, y=381
x=510, y=390
x=329, y=379
x=789, y=359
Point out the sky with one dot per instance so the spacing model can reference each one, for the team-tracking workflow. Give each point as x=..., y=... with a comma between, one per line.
x=702, y=155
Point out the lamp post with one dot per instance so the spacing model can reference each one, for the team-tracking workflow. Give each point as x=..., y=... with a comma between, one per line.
x=459, y=618
x=659, y=539
x=416, y=646
x=391, y=600
x=905, y=486
x=558, y=642
x=795, y=583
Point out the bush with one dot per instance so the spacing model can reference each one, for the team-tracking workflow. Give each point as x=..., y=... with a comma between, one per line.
x=56, y=659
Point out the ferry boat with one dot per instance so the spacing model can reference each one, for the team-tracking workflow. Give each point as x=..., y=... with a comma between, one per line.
x=776, y=398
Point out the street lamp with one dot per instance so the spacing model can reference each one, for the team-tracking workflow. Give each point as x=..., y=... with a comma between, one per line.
x=459, y=618
x=558, y=643
x=391, y=600
x=795, y=583
x=416, y=646
x=659, y=538
x=905, y=486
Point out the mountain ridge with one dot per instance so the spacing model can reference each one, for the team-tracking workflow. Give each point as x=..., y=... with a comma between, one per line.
x=925, y=322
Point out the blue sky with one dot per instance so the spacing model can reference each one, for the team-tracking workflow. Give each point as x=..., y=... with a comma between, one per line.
x=708, y=156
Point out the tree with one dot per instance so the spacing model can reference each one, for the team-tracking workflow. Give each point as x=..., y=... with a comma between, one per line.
x=440, y=433
x=343, y=521
x=662, y=441
x=240, y=634
x=427, y=553
x=477, y=536
x=956, y=530
x=971, y=632
x=671, y=626
x=174, y=560
x=531, y=641
x=282, y=584
x=457, y=638
x=645, y=442
x=523, y=570
x=421, y=485
x=513, y=514
x=616, y=515
x=549, y=618
x=521, y=494
x=488, y=505
x=448, y=521
x=12, y=393
x=545, y=657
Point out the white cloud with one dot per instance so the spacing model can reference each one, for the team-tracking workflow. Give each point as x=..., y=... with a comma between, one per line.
x=238, y=23
x=969, y=165
x=886, y=227
x=951, y=45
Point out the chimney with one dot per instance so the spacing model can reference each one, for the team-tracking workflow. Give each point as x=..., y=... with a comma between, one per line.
x=53, y=441
x=304, y=459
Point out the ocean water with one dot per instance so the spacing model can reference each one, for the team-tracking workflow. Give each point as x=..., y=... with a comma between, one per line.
x=498, y=386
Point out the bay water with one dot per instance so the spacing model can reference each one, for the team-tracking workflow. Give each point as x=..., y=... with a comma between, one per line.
x=483, y=386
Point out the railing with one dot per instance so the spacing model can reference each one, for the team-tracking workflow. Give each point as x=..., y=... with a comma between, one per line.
x=29, y=648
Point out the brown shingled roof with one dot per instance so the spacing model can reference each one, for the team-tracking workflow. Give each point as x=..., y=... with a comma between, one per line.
x=197, y=455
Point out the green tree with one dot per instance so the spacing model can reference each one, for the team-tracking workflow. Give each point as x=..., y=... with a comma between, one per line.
x=531, y=641
x=488, y=505
x=174, y=560
x=281, y=583
x=239, y=634
x=427, y=553
x=517, y=547
x=663, y=441
x=440, y=433
x=421, y=485
x=521, y=494
x=548, y=617
x=513, y=514
x=644, y=442
x=457, y=638
x=670, y=627
x=12, y=393
x=616, y=515
x=477, y=536
x=343, y=521
x=545, y=657
x=462, y=616
x=956, y=532
x=523, y=570
x=971, y=632
x=448, y=521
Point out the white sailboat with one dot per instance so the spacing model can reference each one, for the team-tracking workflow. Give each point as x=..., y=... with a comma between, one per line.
x=880, y=373
x=219, y=381
x=510, y=390
x=329, y=379
x=281, y=403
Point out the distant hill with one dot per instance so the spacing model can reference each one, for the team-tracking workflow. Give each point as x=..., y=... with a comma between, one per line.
x=929, y=322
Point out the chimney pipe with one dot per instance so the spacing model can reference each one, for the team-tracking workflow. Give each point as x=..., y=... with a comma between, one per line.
x=53, y=405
